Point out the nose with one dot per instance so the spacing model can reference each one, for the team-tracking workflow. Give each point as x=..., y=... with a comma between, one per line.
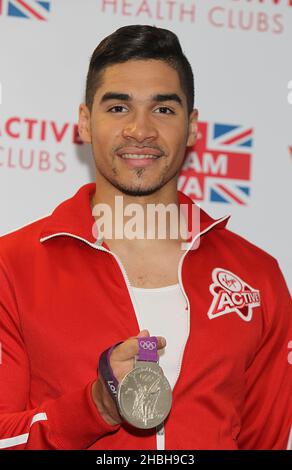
x=140, y=127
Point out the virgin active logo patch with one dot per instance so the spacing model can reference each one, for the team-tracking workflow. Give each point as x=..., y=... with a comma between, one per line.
x=232, y=295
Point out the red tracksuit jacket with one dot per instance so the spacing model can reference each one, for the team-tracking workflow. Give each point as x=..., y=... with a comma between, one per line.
x=64, y=299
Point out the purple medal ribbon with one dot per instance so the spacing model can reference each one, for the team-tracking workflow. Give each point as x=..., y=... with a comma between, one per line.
x=106, y=372
x=148, y=349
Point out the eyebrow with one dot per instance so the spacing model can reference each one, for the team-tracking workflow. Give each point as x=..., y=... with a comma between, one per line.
x=161, y=97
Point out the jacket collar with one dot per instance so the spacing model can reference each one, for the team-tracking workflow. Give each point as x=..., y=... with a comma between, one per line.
x=74, y=216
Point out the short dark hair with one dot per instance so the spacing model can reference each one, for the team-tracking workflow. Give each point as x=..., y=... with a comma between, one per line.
x=140, y=42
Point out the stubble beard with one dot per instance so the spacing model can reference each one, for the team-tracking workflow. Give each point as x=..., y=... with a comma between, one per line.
x=136, y=190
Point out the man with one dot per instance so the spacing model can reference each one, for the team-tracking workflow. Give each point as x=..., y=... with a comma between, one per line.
x=220, y=309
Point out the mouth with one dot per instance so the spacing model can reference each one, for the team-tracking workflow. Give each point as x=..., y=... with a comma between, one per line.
x=135, y=156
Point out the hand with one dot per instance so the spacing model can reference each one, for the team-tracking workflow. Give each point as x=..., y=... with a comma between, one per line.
x=122, y=362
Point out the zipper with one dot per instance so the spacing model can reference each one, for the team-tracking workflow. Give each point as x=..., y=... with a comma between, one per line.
x=184, y=292
x=160, y=431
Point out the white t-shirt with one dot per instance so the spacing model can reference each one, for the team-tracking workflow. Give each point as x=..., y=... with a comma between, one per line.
x=163, y=312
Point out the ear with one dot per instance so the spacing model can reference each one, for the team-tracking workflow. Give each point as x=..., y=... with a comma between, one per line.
x=84, y=124
x=193, y=128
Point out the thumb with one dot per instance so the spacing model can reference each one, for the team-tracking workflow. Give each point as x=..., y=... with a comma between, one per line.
x=143, y=334
x=122, y=353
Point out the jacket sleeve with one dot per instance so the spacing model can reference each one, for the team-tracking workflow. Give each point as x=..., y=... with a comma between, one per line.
x=71, y=421
x=267, y=412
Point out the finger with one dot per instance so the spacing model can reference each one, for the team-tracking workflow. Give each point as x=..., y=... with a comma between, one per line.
x=161, y=342
x=130, y=348
x=143, y=334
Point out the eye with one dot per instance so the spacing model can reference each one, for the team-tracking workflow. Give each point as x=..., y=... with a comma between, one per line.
x=165, y=110
x=117, y=109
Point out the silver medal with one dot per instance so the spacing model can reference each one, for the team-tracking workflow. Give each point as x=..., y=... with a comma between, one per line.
x=145, y=396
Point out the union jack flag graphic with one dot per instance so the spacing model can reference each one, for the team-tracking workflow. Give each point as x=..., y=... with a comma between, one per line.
x=218, y=168
x=29, y=9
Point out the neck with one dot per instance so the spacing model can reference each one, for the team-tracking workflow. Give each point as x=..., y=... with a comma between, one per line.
x=139, y=220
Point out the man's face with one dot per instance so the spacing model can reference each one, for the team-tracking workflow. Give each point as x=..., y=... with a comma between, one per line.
x=139, y=126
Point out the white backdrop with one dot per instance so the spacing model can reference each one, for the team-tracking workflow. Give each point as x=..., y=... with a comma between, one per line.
x=241, y=56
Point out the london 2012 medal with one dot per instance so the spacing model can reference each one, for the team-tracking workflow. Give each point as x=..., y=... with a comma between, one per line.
x=144, y=395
